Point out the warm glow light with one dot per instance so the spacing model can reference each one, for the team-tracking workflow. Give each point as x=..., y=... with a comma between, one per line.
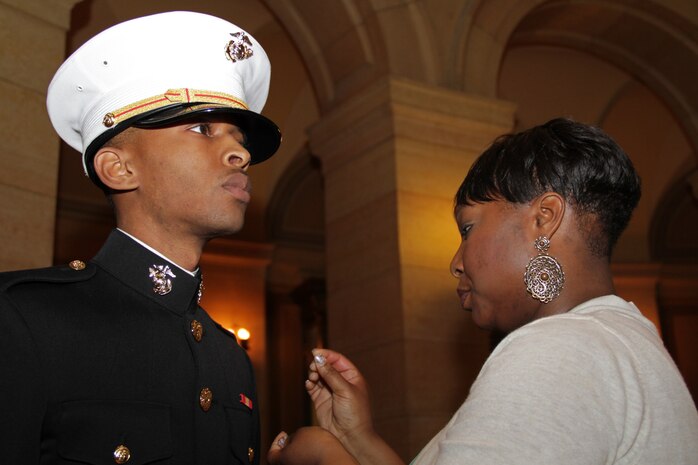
x=243, y=334
x=231, y=330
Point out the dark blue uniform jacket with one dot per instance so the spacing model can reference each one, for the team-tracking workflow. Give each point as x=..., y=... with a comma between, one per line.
x=94, y=361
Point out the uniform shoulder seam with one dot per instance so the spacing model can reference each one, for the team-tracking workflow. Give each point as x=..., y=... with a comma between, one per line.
x=55, y=274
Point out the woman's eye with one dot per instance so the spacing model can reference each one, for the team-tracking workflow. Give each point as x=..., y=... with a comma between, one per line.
x=465, y=230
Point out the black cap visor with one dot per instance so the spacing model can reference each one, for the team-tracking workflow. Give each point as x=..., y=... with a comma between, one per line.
x=262, y=136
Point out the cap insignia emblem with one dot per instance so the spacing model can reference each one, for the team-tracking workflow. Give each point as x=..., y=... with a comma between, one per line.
x=240, y=48
x=160, y=275
x=108, y=120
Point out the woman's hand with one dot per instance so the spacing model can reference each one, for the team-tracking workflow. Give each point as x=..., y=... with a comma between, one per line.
x=340, y=395
x=308, y=446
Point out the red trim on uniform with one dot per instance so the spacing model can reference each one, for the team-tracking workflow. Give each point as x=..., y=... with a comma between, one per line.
x=221, y=97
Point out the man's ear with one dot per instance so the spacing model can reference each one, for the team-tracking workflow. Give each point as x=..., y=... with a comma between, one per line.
x=549, y=210
x=114, y=169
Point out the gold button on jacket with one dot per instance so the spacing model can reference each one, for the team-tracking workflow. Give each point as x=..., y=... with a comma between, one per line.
x=77, y=265
x=197, y=330
x=205, y=399
x=122, y=454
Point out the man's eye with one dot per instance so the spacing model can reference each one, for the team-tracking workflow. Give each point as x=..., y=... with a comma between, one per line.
x=465, y=230
x=202, y=128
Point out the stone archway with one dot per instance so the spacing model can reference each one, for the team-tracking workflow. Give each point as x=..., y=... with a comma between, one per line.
x=339, y=44
x=672, y=234
x=653, y=41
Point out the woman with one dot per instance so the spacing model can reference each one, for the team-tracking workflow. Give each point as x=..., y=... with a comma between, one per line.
x=582, y=377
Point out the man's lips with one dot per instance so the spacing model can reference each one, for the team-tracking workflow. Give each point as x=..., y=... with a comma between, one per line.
x=239, y=186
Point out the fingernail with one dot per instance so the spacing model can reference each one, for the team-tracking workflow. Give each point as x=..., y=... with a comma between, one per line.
x=282, y=441
x=320, y=360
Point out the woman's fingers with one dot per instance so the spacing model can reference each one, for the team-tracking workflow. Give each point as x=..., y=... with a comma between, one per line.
x=309, y=445
x=329, y=375
x=337, y=360
x=274, y=454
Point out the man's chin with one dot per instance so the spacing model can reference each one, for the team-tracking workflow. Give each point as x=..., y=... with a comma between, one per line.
x=224, y=230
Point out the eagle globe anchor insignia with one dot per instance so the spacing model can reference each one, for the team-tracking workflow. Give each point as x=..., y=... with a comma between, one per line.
x=160, y=276
x=240, y=48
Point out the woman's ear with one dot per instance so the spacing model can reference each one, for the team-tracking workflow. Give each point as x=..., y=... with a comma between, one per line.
x=549, y=211
x=114, y=169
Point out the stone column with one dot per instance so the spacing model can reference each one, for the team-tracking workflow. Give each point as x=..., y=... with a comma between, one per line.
x=392, y=159
x=234, y=274
x=32, y=46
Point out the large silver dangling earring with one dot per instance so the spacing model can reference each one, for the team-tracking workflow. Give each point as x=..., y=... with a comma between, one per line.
x=544, y=277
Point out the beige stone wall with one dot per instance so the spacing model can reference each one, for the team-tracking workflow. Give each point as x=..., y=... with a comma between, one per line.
x=32, y=38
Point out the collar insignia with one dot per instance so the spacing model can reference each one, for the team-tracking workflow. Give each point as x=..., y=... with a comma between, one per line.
x=240, y=48
x=160, y=276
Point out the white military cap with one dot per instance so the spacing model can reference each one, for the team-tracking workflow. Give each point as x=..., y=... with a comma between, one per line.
x=158, y=70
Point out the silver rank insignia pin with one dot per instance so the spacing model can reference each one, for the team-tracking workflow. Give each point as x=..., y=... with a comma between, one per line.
x=240, y=48
x=160, y=275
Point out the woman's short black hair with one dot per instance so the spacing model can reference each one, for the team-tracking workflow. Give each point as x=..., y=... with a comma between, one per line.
x=578, y=161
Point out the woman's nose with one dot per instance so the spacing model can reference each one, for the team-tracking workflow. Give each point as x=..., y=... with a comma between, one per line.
x=457, y=264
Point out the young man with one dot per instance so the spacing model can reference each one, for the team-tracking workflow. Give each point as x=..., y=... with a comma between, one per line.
x=114, y=361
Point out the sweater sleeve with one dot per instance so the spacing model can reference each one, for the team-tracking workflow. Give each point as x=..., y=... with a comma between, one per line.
x=552, y=393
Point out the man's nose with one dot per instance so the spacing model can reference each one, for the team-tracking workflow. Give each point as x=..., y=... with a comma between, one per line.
x=237, y=155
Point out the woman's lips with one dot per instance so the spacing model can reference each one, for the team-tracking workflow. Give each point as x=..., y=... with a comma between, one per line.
x=464, y=296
